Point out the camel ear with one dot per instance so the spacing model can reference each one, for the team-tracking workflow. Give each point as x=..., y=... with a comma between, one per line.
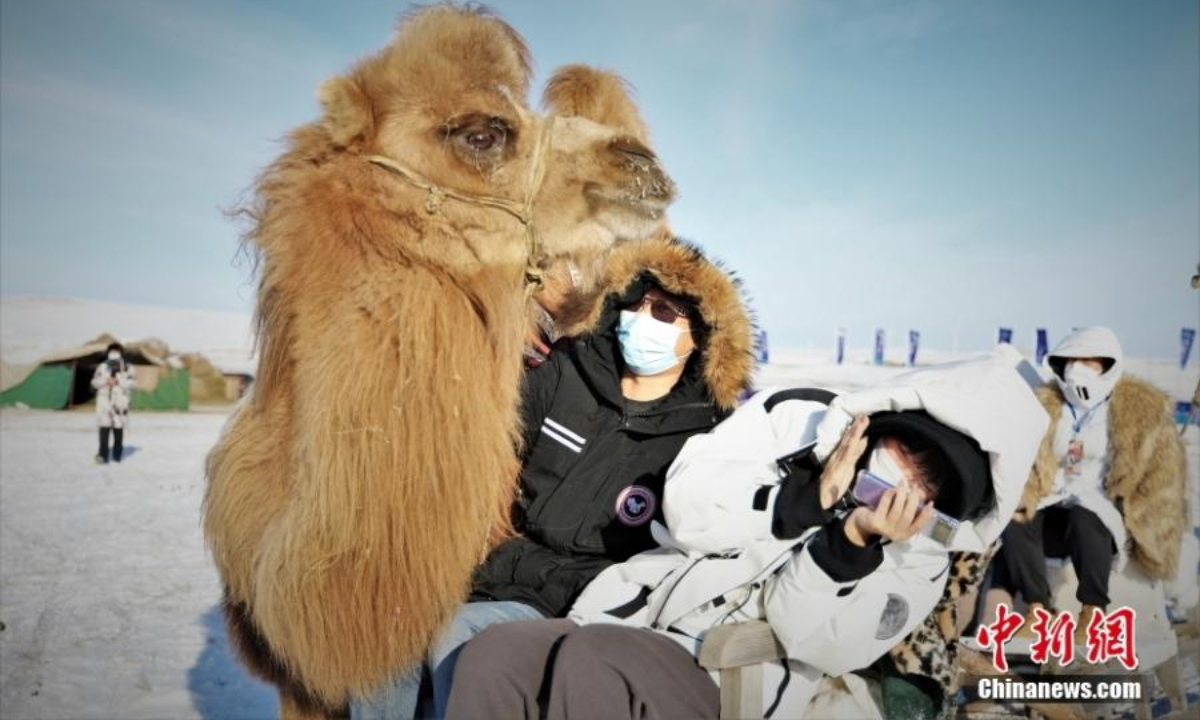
x=599, y=96
x=347, y=115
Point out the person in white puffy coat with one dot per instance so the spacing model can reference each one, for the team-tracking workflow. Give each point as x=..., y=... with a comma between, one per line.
x=113, y=381
x=750, y=537
x=1109, y=485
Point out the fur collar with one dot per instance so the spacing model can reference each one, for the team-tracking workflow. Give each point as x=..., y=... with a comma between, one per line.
x=681, y=268
x=1135, y=408
x=1146, y=477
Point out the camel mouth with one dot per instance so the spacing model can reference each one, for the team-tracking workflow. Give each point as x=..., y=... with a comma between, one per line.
x=643, y=195
x=650, y=205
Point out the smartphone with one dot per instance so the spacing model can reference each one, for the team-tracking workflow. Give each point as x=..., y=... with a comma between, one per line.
x=869, y=489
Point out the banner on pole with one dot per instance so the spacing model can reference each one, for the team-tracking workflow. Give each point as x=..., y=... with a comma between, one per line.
x=1043, y=345
x=914, y=342
x=1187, y=337
x=760, y=343
x=839, y=352
x=1005, y=336
x=1185, y=413
x=879, y=339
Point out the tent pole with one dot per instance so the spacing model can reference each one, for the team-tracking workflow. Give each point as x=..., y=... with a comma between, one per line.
x=71, y=395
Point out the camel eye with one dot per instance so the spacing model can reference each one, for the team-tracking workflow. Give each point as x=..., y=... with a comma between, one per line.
x=483, y=135
x=483, y=139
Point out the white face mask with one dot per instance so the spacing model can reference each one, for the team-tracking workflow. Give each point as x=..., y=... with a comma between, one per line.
x=114, y=355
x=1084, y=386
x=881, y=462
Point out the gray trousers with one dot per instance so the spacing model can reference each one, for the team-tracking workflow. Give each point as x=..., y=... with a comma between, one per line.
x=555, y=669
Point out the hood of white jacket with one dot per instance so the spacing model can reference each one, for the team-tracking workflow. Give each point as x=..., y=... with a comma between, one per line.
x=987, y=398
x=1089, y=342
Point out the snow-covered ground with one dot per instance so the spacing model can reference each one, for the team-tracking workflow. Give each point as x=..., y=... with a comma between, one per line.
x=108, y=599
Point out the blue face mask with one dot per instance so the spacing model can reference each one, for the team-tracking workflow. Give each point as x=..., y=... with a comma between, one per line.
x=647, y=345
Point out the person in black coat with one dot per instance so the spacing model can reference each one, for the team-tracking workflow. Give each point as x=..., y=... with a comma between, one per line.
x=667, y=354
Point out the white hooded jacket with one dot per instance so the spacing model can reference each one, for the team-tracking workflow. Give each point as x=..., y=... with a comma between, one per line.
x=720, y=563
x=112, y=401
x=1081, y=437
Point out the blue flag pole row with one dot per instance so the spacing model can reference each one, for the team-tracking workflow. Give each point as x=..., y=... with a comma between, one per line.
x=1187, y=339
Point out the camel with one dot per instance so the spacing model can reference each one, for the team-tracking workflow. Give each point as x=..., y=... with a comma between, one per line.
x=399, y=236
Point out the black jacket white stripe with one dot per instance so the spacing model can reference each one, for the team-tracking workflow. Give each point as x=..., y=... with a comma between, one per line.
x=584, y=450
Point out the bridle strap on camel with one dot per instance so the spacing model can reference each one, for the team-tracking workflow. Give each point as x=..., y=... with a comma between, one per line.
x=523, y=211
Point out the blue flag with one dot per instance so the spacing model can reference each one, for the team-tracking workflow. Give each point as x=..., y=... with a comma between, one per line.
x=914, y=341
x=760, y=341
x=839, y=352
x=1187, y=337
x=1043, y=345
x=1005, y=335
x=879, y=346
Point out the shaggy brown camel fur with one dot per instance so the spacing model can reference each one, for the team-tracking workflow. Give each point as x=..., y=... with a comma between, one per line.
x=352, y=494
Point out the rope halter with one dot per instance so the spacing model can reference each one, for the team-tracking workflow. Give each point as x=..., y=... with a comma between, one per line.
x=522, y=211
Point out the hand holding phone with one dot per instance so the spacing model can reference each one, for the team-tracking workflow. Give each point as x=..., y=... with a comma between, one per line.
x=896, y=514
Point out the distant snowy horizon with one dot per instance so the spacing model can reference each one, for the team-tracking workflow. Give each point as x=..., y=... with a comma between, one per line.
x=33, y=326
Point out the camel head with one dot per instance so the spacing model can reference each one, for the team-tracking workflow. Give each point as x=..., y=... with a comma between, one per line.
x=603, y=182
x=447, y=102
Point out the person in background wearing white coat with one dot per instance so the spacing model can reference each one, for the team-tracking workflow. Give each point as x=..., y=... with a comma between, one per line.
x=1109, y=483
x=113, y=382
x=754, y=531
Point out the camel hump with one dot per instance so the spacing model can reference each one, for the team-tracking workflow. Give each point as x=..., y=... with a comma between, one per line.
x=600, y=96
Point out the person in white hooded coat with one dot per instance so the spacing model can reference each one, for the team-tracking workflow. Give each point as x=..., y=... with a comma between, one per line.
x=730, y=552
x=1109, y=483
x=113, y=382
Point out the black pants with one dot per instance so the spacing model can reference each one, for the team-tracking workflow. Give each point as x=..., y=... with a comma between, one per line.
x=555, y=669
x=1057, y=532
x=118, y=435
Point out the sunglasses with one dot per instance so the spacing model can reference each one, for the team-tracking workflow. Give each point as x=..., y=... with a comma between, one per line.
x=660, y=309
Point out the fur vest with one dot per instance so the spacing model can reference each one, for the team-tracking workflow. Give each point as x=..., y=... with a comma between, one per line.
x=931, y=650
x=1146, y=476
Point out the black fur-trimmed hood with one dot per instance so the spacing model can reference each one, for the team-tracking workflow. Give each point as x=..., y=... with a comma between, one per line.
x=681, y=268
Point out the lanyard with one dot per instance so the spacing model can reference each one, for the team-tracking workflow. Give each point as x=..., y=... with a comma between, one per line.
x=1077, y=422
x=522, y=211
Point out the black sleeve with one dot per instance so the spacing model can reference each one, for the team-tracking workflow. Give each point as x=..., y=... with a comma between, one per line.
x=537, y=393
x=798, y=504
x=842, y=560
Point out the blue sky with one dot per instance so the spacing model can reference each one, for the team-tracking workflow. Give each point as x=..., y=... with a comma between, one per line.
x=945, y=166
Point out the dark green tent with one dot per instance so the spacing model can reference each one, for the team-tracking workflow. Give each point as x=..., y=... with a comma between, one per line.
x=47, y=386
x=64, y=379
